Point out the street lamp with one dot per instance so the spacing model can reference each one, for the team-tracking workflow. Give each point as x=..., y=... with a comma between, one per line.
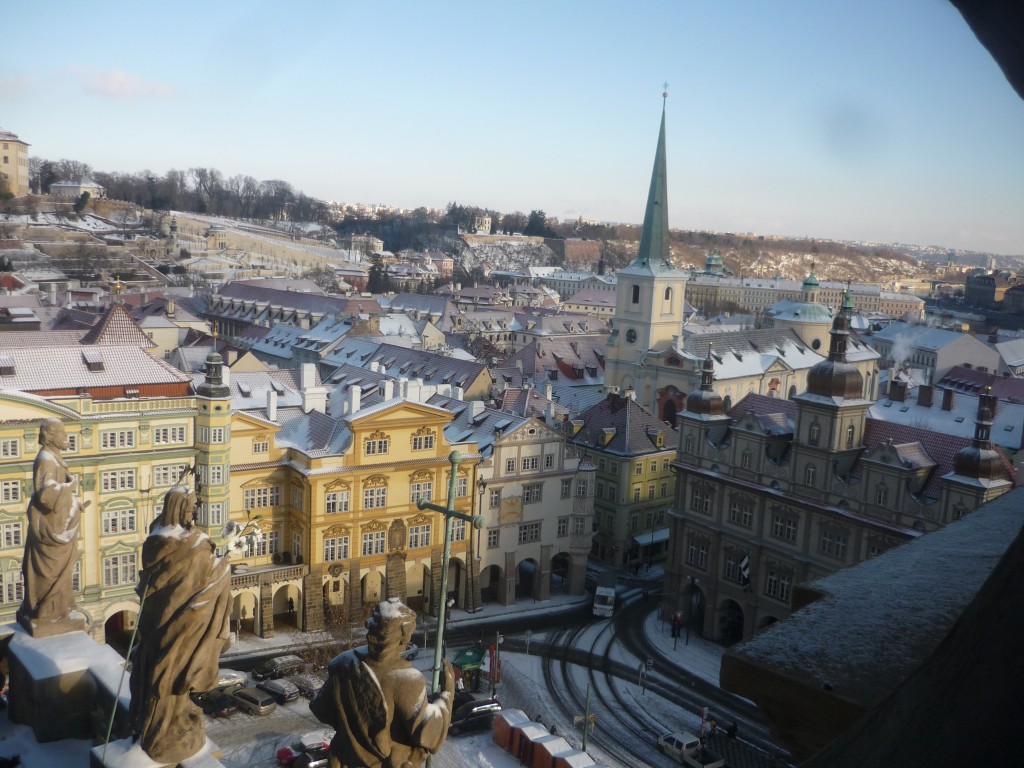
x=449, y=513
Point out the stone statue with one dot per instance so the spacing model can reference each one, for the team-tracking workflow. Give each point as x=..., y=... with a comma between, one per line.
x=54, y=515
x=378, y=702
x=185, y=591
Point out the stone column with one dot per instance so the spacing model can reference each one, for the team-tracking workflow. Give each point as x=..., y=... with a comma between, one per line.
x=542, y=589
x=507, y=596
x=355, y=592
x=577, y=573
x=395, y=574
x=266, y=609
x=313, y=599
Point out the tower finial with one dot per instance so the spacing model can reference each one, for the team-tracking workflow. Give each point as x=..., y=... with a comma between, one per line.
x=664, y=93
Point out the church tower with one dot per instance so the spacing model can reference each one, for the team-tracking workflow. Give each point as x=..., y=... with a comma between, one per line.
x=831, y=415
x=650, y=297
x=213, y=444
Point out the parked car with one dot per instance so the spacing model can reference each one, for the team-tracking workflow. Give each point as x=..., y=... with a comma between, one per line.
x=411, y=652
x=309, y=685
x=228, y=677
x=252, y=700
x=215, y=703
x=316, y=757
x=281, y=666
x=474, y=715
x=310, y=743
x=282, y=690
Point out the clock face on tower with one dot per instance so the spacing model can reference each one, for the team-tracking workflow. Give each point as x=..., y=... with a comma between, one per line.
x=631, y=336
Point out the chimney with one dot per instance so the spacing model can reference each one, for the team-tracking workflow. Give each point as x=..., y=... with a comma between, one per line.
x=272, y=405
x=476, y=408
x=314, y=398
x=547, y=390
x=898, y=391
x=413, y=391
x=549, y=417
x=169, y=308
x=355, y=393
x=388, y=389
x=947, y=399
x=925, y=393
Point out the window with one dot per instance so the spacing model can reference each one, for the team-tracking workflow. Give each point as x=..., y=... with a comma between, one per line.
x=741, y=513
x=297, y=497
x=422, y=442
x=849, y=436
x=375, y=498
x=600, y=463
x=217, y=435
x=373, y=543
x=530, y=462
x=664, y=465
x=882, y=495
x=613, y=492
x=563, y=527
x=13, y=587
x=72, y=445
x=458, y=530
x=214, y=513
x=732, y=571
x=581, y=488
x=814, y=433
x=423, y=489
x=634, y=523
x=168, y=474
x=700, y=500
x=777, y=584
x=510, y=466
x=493, y=538
x=697, y=553
x=636, y=294
x=833, y=543
x=532, y=493
x=12, y=535
x=549, y=460
x=784, y=527
x=495, y=502
x=10, y=490
x=118, y=520
x=529, y=532
x=664, y=488
x=650, y=491
x=336, y=549
x=260, y=446
x=419, y=536
x=10, y=449
x=267, y=496
x=688, y=444
x=337, y=501
x=117, y=480
x=212, y=474
x=579, y=524
x=168, y=435
x=809, y=474
x=599, y=490
x=745, y=460
x=638, y=469
x=123, y=438
x=376, y=446
x=461, y=487
x=120, y=569
x=654, y=466
x=297, y=544
x=566, y=489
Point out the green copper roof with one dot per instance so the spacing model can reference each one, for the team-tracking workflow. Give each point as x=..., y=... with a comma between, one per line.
x=653, y=255
x=811, y=282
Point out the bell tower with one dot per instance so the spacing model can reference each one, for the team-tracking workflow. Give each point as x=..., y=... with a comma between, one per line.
x=650, y=296
x=213, y=443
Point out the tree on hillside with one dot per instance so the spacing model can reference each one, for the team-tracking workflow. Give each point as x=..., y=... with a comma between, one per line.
x=537, y=225
x=324, y=278
x=513, y=222
x=81, y=202
x=72, y=170
x=377, y=280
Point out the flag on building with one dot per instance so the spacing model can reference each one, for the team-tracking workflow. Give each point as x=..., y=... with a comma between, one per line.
x=745, y=572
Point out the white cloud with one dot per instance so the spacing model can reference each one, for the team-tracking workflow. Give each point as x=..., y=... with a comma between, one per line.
x=118, y=84
x=15, y=86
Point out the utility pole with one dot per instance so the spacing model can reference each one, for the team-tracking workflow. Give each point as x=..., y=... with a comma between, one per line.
x=449, y=513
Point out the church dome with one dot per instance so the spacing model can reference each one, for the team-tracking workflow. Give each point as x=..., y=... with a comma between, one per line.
x=810, y=283
x=974, y=461
x=834, y=379
x=705, y=401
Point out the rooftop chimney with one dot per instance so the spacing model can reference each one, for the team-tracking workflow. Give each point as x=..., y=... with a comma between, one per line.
x=925, y=393
x=947, y=399
x=272, y=405
x=898, y=391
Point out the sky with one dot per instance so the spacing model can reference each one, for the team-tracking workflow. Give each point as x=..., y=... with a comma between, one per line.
x=875, y=121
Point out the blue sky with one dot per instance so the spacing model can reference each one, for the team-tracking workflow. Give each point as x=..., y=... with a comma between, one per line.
x=875, y=120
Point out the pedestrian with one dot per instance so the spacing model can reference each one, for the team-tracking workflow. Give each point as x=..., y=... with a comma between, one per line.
x=553, y=729
x=731, y=730
x=714, y=726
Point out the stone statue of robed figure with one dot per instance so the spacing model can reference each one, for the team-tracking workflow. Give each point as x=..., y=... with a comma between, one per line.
x=185, y=593
x=54, y=517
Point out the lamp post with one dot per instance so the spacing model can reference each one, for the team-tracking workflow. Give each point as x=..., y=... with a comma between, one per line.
x=449, y=513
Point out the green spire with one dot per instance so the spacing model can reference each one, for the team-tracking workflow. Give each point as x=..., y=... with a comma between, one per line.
x=653, y=252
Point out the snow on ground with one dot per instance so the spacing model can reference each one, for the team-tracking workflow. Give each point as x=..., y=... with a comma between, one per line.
x=522, y=688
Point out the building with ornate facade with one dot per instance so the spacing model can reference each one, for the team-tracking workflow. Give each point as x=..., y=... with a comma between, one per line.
x=778, y=492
